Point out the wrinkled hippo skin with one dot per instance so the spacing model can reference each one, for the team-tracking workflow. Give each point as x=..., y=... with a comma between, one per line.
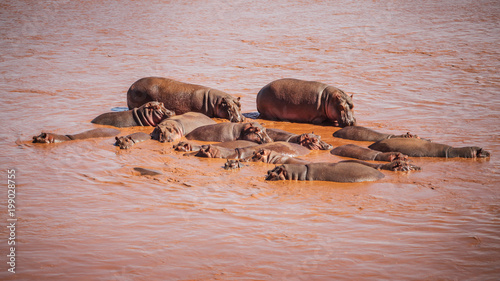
x=149, y=114
x=286, y=148
x=423, y=148
x=310, y=141
x=337, y=172
x=186, y=146
x=305, y=101
x=95, y=133
x=229, y=132
x=178, y=126
x=183, y=97
x=359, y=133
x=128, y=141
x=363, y=153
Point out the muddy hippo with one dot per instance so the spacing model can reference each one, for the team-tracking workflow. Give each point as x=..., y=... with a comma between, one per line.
x=305, y=101
x=230, y=132
x=310, y=141
x=273, y=157
x=363, y=153
x=424, y=148
x=396, y=165
x=128, y=141
x=285, y=148
x=183, y=97
x=365, y=134
x=95, y=133
x=337, y=172
x=186, y=146
x=148, y=114
x=178, y=126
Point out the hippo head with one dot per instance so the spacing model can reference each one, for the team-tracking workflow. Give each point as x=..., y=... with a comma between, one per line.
x=125, y=142
x=341, y=109
x=166, y=132
x=255, y=132
x=230, y=108
x=261, y=155
x=209, y=151
x=183, y=146
x=400, y=165
x=313, y=142
x=232, y=164
x=276, y=174
x=154, y=112
x=44, y=138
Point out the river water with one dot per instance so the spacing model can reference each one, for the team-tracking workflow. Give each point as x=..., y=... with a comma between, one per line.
x=427, y=67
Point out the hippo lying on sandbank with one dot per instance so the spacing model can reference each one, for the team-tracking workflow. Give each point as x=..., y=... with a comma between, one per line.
x=94, y=133
x=183, y=97
x=423, y=148
x=230, y=132
x=363, y=153
x=305, y=101
x=310, y=141
x=359, y=133
x=286, y=148
x=178, y=126
x=148, y=114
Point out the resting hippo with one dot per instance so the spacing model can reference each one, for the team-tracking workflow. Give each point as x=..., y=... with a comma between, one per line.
x=230, y=132
x=424, y=148
x=128, y=141
x=189, y=146
x=396, y=165
x=363, y=153
x=337, y=172
x=95, y=133
x=273, y=157
x=178, y=126
x=213, y=151
x=305, y=101
x=365, y=134
x=149, y=114
x=183, y=97
x=310, y=141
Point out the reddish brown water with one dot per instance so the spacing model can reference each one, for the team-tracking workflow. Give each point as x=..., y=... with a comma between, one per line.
x=430, y=68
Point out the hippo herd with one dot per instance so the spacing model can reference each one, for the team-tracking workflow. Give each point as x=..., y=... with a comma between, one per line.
x=179, y=110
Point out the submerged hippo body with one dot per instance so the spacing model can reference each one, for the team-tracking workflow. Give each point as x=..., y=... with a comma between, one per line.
x=305, y=101
x=363, y=153
x=95, y=133
x=229, y=132
x=178, y=126
x=366, y=134
x=148, y=114
x=285, y=148
x=337, y=172
x=183, y=97
x=128, y=141
x=310, y=141
x=423, y=148
x=186, y=146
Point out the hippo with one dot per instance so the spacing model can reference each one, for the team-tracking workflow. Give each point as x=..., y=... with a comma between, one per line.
x=310, y=141
x=128, y=141
x=424, y=148
x=396, y=165
x=186, y=146
x=232, y=164
x=178, y=126
x=305, y=101
x=230, y=132
x=273, y=157
x=336, y=172
x=148, y=114
x=363, y=153
x=359, y=133
x=183, y=97
x=286, y=148
x=94, y=133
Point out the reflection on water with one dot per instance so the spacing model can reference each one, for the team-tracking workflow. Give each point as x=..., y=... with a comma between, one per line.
x=85, y=213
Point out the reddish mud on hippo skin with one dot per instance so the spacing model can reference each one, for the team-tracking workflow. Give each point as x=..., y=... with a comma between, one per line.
x=285, y=148
x=231, y=131
x=337, y=172
x=424, y=148
x=305, y=101
x=183, y=97
x=148, y=114
x=310, y=141
x=363, y=153
x=94, y=133
x=178, y=126
x=359, y=133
